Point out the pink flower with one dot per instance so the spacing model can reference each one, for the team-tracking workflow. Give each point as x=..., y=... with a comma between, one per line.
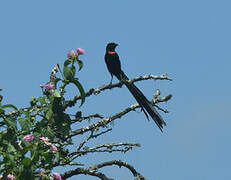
x=54, y=148
x=45, y=140
x=28, y=137
x=79, y=51
x=57, y=176
x=10, y=176
x=48, y=86
x=71, y=54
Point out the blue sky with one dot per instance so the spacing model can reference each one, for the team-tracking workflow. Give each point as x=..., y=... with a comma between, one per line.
x=188, y=40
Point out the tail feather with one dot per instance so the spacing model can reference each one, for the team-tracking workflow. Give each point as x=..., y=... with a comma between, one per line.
x=145, y=105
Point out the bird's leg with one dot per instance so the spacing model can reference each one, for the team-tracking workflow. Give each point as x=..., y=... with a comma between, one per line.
x=111, y=80
x=123, y=81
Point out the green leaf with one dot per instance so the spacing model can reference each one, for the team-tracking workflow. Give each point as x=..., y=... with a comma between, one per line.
x=25, y=124
x=50, y=132
x=80, y=63
x=69, y=72
x=43, y=100
x=11, y=122
x=57, y=156
x=56, y=81
x=10, y=158
x=26, y=161
x=81, y=90
x=56, y=94
x=33, y=101
x=2, y=110
x=67, y=62
x=27, y=173
x=62, y=125
x=57, y=105
x=47, y=132
x=11, y=148
x=47, y=158
x=1, y=97
x=9, y=106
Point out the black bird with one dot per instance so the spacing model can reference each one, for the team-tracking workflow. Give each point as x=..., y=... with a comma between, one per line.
x=114, y=67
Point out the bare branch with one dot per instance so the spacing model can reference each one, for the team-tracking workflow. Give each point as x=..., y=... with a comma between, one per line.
x=109, y=148
x=92, y=136
x=119, y=163
x=162, y=109
x=85, y=171
x=85, y=141
x=150, y=76
x=93, y=170
x=88, y=117
x=104, y=122
x=113, y=147
x=162, y=99
x=72, y=102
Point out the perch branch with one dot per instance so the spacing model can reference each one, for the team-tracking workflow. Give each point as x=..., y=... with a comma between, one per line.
x=72, y=102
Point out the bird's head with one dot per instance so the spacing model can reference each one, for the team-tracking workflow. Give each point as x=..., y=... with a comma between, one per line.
x=111, y=46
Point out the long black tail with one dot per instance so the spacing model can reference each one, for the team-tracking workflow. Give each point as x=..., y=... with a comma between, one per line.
x=143, y=102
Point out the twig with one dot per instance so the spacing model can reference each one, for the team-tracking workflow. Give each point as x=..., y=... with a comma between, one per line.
x=92, y=135
x=104, y=148
x=164, y=110
x=80, y=119
x=85, y=141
